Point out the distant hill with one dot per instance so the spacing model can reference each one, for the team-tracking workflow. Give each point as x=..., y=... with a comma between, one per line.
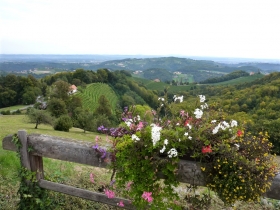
x=150, y=67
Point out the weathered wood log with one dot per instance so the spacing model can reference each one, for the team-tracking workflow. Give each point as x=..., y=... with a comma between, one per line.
x=82, y=152
x=86, y=194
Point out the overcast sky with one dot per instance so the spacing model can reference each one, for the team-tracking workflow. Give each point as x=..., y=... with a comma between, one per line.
x=218, y=28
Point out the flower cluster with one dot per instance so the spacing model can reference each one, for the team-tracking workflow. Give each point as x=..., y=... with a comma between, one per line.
x=236, y=165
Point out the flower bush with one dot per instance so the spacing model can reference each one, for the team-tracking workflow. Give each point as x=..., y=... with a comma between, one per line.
x=236, y=165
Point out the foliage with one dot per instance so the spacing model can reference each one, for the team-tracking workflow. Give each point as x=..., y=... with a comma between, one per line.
x=56, y=107
x=82, y=119
x=61, y=90
x=230, y=76
x=39, y=117
x=32, y=197
x=234, y=165
x=103, y=107
x=63, y=123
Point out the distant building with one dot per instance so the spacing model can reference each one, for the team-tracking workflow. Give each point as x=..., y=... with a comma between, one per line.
x=252, y=73
x=73, y=89
x=156, y=80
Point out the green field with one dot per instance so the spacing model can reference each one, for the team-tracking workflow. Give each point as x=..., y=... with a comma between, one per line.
x=11, y=108
x=59, y=171
x=240, y=80
x=92, y=93
x=183, y=78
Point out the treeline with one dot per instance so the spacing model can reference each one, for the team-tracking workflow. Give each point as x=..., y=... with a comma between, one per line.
x=227, y=77
x=16, y=90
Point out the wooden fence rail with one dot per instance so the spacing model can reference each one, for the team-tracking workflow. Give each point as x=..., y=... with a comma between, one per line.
x=82, y=152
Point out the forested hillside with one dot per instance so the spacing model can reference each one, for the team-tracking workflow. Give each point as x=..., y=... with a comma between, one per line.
x=255, y=104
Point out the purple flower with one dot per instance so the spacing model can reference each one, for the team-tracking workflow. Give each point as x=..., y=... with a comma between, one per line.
x=95, y=146
x=100, y=128
x=112, y=182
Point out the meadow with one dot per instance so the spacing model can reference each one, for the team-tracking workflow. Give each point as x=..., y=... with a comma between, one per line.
x=71, y=173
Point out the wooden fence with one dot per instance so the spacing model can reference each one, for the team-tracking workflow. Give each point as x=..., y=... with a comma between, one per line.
x=82, y=152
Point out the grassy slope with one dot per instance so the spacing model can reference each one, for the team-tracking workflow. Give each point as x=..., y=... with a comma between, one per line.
x=240, y=80
x=54, y=169
x=12, y=108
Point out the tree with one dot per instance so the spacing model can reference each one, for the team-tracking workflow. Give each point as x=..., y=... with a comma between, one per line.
x=73, y=103
x=63, y=123
x=104, y=107
x=61, y=90
x=39, y=117
x=57, y=107
x=83, y=119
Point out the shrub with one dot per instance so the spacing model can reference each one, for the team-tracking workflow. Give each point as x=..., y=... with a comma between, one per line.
x=63, y=123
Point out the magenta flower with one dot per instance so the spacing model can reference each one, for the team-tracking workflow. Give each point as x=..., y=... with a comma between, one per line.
x=140, y=126
x=109, y=193
x=147, y=196
x=121, y=204
x=91, y=177
x=128, y=185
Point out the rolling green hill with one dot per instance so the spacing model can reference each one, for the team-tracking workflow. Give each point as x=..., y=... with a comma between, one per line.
x=92, y=92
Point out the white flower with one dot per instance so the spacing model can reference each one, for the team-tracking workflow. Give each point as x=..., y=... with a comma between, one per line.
x=172, y=153
x=165, y=141
x=213, y=121
x=138, y=118
x=233, y=123
x=177, y=123
x=216, y=129
x=237, y=145
x=202, y=98
x=155, y=133
x=190, y=138
x=180, y=98
x=225, y=124
x=128, y=122
x=190, y=127
x=186, y=134
x=198, y=113
x=163, y=149
x=179, y=140
x=204, y=106
x=134, y=137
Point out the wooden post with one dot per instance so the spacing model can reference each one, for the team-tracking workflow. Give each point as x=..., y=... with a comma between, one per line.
x=36, y=164
x=24, y=156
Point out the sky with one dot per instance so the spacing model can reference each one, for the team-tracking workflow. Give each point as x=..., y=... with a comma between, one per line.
x=212, y=28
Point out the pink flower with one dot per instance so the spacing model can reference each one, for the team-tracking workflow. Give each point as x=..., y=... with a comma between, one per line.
x=206, y=149
x=109, y=193
x=147, y=196
x=140, y=126
x=91, y=177
x=128, y=185
x=120, y=204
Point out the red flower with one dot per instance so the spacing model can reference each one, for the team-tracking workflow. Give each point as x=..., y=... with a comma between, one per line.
x=188, y=121
x=206, y=149
x=239, y=133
